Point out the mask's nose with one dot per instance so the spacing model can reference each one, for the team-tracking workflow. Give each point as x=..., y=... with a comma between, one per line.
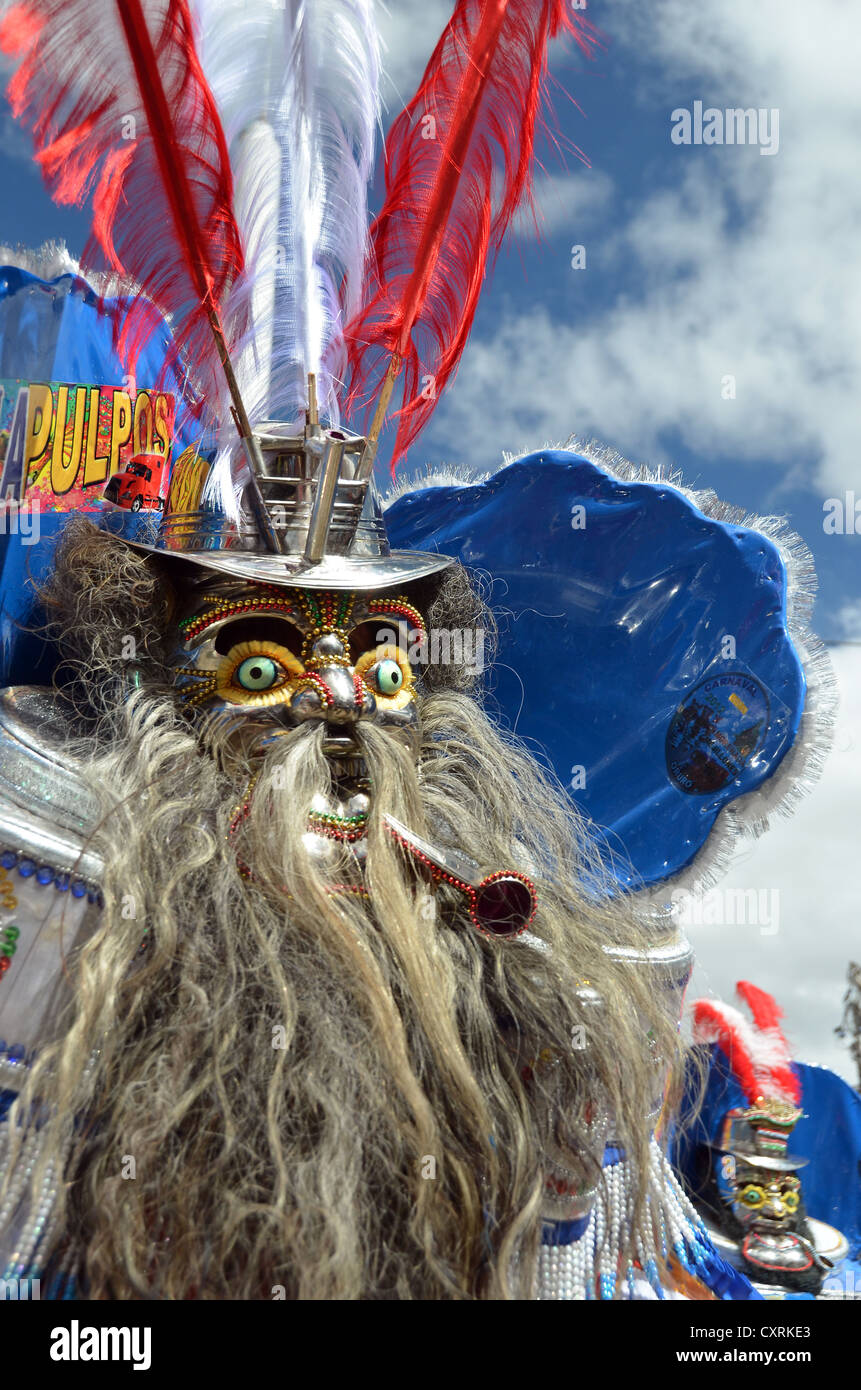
x=333, y=693
x=331, y=689
x=774, y=1208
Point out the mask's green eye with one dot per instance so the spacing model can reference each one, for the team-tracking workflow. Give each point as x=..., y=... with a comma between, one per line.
x=389, y=677
x=257, y=673
x=753, y=1197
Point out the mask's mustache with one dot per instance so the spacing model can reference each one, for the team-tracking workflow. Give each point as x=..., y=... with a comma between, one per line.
x=392, y=774
x=297, y=758
x=239, y=744
x=274, y=798
x=285, y=752
x=275, y=830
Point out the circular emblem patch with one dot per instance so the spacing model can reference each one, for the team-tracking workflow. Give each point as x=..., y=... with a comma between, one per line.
x=715, y=732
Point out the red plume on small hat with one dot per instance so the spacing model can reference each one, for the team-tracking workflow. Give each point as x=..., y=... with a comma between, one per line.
x=758, y=1053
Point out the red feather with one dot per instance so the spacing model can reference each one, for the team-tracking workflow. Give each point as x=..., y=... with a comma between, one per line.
x=711, y=1024
x=458, y=166
x=764, y=1007
x=767, y=1015
x=120, y=111
x=758, y=1055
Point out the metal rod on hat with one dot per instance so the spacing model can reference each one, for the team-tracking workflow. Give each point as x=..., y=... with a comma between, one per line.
x=366, y=463
x=324, y=497
x=313, y=417
x=249, y=441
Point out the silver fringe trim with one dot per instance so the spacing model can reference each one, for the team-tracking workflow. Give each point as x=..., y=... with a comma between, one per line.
x=30, y=1225
x=53, y=259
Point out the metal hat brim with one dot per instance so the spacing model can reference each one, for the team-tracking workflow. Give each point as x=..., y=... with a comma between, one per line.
x=788, y=1164
x=339, y=572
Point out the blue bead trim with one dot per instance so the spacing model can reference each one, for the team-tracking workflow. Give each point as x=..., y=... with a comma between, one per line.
x=44, y=875
x=14, y=1064
x=717, y=1274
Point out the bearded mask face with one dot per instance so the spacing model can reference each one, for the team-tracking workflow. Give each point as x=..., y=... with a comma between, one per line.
x=759, y=1186
x=261, y=662
x=765, y=1201
x=264, y=660
x=776, y=1241
x=299, y=981
x=756, y=1178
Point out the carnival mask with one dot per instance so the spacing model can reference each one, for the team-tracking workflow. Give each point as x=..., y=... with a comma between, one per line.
x=777, y=1244
x=270, y=658
x=769, y=1200
x=759, y=1183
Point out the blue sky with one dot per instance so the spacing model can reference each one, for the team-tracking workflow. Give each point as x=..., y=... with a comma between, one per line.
x=702, y=261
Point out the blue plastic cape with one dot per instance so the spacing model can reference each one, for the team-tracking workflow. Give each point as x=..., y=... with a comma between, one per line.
x=616, y=601
x=51, y=330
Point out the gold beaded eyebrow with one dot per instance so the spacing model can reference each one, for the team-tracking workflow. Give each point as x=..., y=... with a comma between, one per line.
x=272, y=602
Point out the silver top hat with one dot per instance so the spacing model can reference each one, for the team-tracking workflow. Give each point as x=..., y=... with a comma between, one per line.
x=773, y=1163
x=309, y=518
x=758, y=1135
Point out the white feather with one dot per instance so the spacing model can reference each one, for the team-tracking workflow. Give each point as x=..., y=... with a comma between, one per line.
x=296, y=82
x=766, y=1048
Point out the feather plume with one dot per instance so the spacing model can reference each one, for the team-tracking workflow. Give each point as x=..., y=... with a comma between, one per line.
x=766, y=1011
x=120, y=112
x=757, y=1058
x=458, y=166
x=296, y=83
x=767, y=1015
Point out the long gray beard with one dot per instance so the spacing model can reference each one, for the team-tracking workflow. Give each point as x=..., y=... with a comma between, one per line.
x=321, y=1091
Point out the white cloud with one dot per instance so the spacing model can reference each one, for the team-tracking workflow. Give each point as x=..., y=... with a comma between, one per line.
x=409, y=30
x=746, y=267
x=848, y=621
x=568, y=202
x=811, y=860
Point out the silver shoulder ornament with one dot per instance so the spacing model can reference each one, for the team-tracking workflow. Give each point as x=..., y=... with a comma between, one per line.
x=49, y=869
